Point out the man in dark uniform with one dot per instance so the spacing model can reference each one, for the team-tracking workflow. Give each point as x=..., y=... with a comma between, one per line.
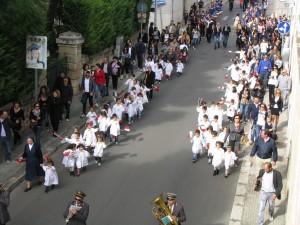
x=175, y=208
x=4, y=203
x=77, y=211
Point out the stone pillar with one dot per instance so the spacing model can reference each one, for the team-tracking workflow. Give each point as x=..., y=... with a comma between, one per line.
x=70, y=44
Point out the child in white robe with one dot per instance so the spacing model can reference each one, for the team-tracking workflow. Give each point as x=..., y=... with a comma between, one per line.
x=114, y=129
x=229, y=160
x=158, y=73
x=211, y=145
x=51, y=178
x=91, y=116
x=103, y=122
x=218, y=157
x=197, y=147
x=215, y=124
x=139, y=105
x=70, y=158
x=118, y=109
x=98, y=150
x=82, y=158
x=168, y=69
x=89, y=136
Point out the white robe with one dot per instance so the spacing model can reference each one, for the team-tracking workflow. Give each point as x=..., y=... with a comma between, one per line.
x=51, y=177
x=118, y=110
x=69, y=160
x=82, y=158
x=218, y=157
x=103, y=123
x=114, y=128
x=197, y=144
x=169, y=68
x=89, y=137
x=229, y=158
x=98, y=150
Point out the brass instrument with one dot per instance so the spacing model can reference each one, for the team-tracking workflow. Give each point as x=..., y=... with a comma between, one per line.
x=2, y=186
x=70, y=215
x=161, y=210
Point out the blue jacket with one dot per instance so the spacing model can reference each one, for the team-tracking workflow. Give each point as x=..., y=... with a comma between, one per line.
x=252, y=112
x=264, y=66
x=265, y=149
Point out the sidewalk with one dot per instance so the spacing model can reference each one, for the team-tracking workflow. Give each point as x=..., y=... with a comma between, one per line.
x=13, y=173
x=246, y=202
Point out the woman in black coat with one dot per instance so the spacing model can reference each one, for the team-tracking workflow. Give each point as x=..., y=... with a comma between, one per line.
x=17, y=115
x=55, y=110
x=36, y=117
x=34, y=158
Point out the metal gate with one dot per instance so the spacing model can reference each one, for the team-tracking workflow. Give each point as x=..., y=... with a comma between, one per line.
x=54, y=69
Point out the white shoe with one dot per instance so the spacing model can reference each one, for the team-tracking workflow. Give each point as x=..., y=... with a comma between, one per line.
x=67, y=120
x=271, y=218
x=96, y=161
x=99, y=164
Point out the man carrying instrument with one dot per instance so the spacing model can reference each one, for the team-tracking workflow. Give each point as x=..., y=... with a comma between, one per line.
x=175, y=208
x=77, y=211
x=4, y=203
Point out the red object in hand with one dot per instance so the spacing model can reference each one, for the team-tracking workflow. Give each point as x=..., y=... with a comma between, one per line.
x=120, y=121
x=20, y=160
x=67, y=153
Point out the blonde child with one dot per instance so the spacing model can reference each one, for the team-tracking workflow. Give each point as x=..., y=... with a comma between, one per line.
x=70, y=158
x=76, y=131
x=197, y=147
x=229, y=160
x=114, y=129
x=218, y=157
x=82, y=158
x=51, y=178
x=98, y=150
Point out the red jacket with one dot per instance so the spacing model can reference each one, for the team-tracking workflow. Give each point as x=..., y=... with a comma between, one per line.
x=100, y=77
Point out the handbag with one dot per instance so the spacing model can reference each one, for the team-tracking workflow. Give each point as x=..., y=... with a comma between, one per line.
x=83, y=98
x=33, y=125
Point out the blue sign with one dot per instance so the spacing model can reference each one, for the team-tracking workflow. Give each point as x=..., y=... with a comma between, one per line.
x=284, y=27
x=158, y=2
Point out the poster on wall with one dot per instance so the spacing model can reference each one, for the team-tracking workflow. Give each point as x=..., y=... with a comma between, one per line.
x=36, y=52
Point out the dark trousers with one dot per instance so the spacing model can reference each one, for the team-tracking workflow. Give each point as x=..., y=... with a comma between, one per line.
x=54, y=121
x=271, y=92
x=88, y=96
x=98, y=159
x=149, y=93
x=115, y=81
x=230, y=6
x=208, y=36
x=67, y=108
x=107, y=83
x=140, y=61
x=17, y=136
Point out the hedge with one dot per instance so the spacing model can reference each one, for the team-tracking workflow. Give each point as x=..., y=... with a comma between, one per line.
x=100, y=21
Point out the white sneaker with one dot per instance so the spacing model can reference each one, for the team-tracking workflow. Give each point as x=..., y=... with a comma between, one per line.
x=8, y=161
x=271, y=218
x=99, y=164
x=67, y=120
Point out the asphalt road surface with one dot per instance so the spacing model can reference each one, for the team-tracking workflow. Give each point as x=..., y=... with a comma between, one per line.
x=153, y=158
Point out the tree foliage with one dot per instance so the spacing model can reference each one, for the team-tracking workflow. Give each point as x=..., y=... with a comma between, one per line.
x=18, y=19
x=100, y=21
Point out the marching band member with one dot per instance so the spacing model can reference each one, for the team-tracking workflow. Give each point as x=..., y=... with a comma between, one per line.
x=77, y=211
x=175, y=208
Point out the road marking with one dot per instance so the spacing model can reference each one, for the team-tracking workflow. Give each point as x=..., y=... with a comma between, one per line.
x=225, y=18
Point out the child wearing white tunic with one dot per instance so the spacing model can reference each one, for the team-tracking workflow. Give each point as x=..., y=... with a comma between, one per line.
x=76, y=130
x=89, y=136
x=91, y=117
x=70, y=158
x=75, y=140
x=118, y=109
x=229, y=158
x=215, y=124
x=139, y=105
x=51, y=178
x=130, y=109
x=218, y=157
x=82, y=158
x=114, y=129
x=98, y=151
x=197, y=147
x=211, y=145
x=169, y=69
x=180, y=67
x=103, y=122
x=158, y=73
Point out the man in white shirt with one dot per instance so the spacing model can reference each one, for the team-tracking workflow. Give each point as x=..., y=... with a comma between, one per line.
x=271, y=186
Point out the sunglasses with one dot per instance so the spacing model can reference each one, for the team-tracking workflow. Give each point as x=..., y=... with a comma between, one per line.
x=37, y=106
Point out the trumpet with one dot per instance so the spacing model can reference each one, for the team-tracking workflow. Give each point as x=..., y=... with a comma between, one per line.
x=70, y=215
x=2, y=186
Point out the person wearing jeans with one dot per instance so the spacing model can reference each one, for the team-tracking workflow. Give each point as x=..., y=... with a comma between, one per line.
x=271, y=186
x=217, y=35
x=100, y=82
x=225, y=32
x=5, y=125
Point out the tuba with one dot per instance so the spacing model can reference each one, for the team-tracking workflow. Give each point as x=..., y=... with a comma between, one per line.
x=161, y=210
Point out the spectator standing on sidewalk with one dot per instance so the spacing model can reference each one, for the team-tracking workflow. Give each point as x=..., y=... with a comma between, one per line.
x=264, y=148
x=284, y=84
x=43, y=99
x=100, y=83
x=271, y=186
x=5, y=125
x=36, y=117
x=59, y=81
x=67, y=96
x=115, y=71
x=55, y=110
x=16, y=115
x=140, y=53
x=87, y=87
x=106, y=67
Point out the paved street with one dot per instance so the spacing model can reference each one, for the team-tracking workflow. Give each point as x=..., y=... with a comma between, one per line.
x=153, y=158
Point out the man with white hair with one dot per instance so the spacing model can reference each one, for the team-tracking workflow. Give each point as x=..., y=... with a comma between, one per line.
x=284, y=84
